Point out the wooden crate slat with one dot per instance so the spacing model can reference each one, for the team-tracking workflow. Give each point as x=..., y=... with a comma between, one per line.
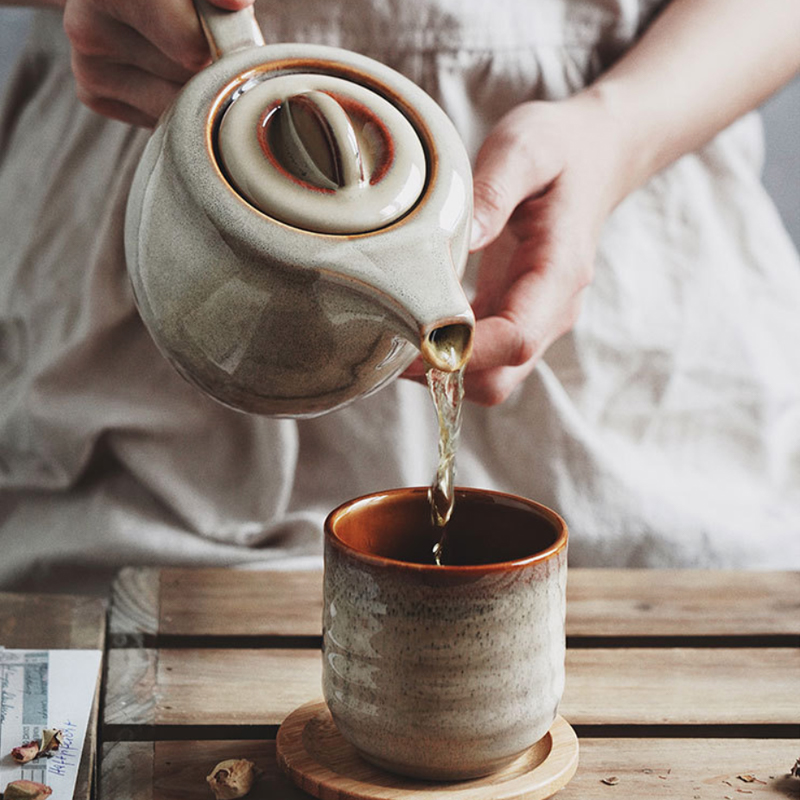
x=219, y=602
x=52, y=622
x=234, y=687
x=613, y=603
x=127, y=771
x=132, y=690
x=177, y=771
x=711, y=686
x=646, y=769
x=135, y=599
x=642, y=602
x=690, y=769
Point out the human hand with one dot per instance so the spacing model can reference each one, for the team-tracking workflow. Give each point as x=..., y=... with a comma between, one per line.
x=131, y=57
x=544, y=182
x=549, y=173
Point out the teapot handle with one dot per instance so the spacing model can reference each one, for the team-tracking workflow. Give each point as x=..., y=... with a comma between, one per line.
x=228, y=31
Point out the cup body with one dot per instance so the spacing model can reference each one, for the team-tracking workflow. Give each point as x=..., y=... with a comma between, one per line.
x=448, y=672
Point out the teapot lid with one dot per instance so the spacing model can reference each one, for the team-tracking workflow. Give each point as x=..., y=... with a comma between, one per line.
x=322, y=153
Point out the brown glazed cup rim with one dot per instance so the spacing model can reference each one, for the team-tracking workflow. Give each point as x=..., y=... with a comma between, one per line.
x=557, y=522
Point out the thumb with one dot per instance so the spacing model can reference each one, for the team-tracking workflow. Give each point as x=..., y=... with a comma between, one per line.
x=508, y=171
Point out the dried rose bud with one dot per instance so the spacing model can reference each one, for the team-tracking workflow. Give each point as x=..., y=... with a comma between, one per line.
x=25, y=752
x=232, y=778
x=52, y=739
x=26, y=790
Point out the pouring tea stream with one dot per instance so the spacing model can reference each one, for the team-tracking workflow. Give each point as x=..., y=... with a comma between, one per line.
x=298, y=224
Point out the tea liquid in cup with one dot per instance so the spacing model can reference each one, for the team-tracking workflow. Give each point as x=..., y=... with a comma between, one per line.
x=443, y=672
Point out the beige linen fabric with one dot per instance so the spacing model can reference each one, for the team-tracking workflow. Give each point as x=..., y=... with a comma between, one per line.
x=665, y=428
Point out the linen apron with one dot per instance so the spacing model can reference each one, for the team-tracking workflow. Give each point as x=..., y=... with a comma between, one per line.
x=665, y=428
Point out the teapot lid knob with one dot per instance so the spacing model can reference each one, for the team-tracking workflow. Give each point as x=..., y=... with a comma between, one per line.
x=322, y=153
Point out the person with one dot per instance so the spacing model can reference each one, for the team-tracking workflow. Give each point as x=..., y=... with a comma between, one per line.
x=637, y=346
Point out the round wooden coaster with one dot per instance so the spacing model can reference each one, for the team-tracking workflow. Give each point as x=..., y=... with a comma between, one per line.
x=312, y=752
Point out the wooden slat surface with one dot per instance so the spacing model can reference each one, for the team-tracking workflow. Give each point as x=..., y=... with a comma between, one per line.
x=682, y=603
x=612, y=603
x=134, y=606
x=676, y=686
x=202, y=653
x=646, y=769
x=277, y=603
x=56, y=622
x=132, y=690
x=683, y=686
x=127, y=771
x=683, y=769
x=52, y=621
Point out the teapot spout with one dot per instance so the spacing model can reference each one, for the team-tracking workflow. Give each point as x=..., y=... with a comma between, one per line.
x=418, y=279
x=447, y=346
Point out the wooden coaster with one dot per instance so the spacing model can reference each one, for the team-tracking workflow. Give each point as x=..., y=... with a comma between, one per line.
x=312, y=752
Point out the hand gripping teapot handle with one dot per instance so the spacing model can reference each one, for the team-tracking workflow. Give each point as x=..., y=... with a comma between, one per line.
x=228, y=31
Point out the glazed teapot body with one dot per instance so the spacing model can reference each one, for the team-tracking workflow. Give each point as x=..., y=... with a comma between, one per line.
x=290, y=296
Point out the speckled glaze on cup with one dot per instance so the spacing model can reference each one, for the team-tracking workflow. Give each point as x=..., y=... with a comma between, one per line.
x=443, y=673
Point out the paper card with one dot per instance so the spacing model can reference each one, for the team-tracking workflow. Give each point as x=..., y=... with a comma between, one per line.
x=46, y=689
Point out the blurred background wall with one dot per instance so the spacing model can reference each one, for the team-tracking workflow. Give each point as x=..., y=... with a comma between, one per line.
x=781, y=116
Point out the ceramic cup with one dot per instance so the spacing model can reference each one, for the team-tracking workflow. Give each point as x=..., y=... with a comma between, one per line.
x=443, y=672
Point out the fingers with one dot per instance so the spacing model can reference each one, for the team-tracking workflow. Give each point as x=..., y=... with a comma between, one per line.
x=541, y=305
x=507, y=351
x=114, y=29
x=536, y=219
x=130, y=59
x=106, y=40
x=122, y=92
x=120, y=74
x=122, y=112
x=492, y=387
x=531, y=317
x=511, y=167
x=171, y=25
x=493, y=274
x=529, y=299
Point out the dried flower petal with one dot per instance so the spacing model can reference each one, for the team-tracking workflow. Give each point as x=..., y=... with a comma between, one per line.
x=26, y=790
x=612, y=781
x=52, y=739
x=25, y=752
x=751, y=779
x=232, y=779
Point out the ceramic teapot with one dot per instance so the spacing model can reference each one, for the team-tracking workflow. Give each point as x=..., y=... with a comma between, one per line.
x=297, y=226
